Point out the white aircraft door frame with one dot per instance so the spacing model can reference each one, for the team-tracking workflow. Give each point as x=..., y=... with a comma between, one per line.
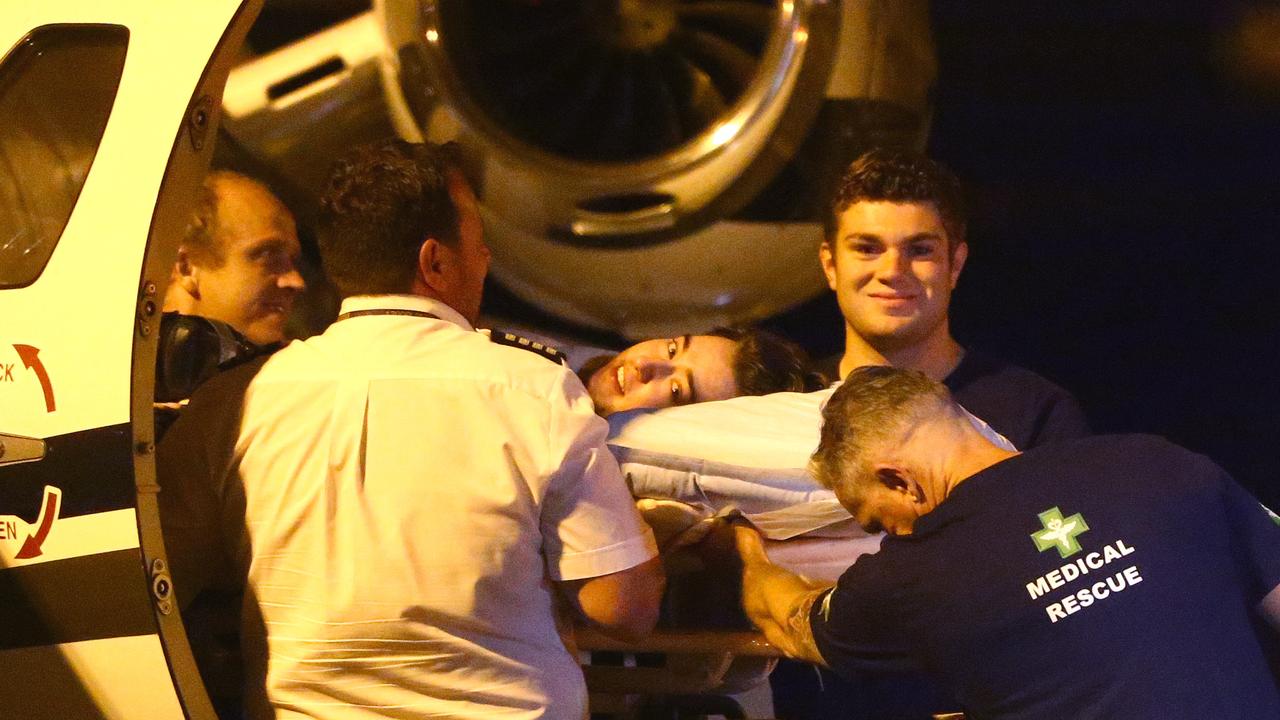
x=87, y=623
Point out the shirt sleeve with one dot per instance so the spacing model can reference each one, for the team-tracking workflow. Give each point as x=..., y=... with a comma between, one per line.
x=854, y=624
x=1255, y=533
x=590, y=526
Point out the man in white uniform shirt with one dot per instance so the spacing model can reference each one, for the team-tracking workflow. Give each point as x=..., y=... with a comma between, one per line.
x=406, y=498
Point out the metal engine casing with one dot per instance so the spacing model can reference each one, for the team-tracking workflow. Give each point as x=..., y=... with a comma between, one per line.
x=641, y=246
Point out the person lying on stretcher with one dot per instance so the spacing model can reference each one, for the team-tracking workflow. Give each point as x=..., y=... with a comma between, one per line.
x=723, y=363
x=742, y=455
x=686, y=369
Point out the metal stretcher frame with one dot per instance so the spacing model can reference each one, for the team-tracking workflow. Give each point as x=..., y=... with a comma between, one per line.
x=697, y=663
x=708, y=646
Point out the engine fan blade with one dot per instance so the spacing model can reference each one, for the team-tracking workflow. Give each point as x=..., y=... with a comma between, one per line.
x=599, y=81
x=704, y=102
x=729, y=66
x=745, y=23
x=661, y=112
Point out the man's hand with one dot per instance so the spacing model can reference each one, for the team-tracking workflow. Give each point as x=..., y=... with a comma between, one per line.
x=777, y=601
x=675, y=524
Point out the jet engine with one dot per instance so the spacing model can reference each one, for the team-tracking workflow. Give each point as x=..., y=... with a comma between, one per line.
x=644, y=166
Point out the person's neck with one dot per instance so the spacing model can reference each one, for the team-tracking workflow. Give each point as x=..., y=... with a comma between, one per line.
x=422, y=289
x=951, y=450
x=972, y=457
x=935, y=356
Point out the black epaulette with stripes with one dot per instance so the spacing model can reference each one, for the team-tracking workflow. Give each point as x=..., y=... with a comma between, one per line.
x=502, y=337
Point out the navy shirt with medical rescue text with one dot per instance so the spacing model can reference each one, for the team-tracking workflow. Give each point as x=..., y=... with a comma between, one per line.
x=1105, y=577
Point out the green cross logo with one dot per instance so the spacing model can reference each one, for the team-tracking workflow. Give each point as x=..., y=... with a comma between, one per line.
x=1274, y=516
x=1059, y=532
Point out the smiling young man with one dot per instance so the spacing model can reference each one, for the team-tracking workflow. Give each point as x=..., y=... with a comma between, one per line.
x=893, y=254
x=239, y=260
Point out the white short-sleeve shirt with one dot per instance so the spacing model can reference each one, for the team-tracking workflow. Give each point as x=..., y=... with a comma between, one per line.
x=411, y=491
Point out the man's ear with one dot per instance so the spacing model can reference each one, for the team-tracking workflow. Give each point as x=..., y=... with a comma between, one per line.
x=432, y=265
x=900, y=480
x=186, y=274
x=959, y=254
x=828, y=260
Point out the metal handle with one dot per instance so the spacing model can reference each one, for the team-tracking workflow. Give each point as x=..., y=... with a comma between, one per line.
x=596, y=223
x=19, y=449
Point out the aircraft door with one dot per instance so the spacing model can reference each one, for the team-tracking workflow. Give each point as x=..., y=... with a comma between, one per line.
x=107, y=114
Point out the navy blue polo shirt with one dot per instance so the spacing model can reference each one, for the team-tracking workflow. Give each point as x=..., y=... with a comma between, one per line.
x=1018, y=403
x=1109, y=577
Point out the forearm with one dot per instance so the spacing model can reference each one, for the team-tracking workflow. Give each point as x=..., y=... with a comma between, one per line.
x=779, y=603
x=623, y=605
x=783, y=617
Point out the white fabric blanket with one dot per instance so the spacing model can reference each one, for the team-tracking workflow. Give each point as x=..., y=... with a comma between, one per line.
x=746, y=455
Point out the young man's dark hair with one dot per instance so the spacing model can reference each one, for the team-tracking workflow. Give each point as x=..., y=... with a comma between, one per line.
x=764, y=363
x=381, y=202
x=901, y=176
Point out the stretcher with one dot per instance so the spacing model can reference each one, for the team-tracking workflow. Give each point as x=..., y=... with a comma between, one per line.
x=704, y=650
x=744, y=457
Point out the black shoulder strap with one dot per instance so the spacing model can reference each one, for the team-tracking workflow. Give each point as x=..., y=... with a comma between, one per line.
x=387, y=311
x=503, y=337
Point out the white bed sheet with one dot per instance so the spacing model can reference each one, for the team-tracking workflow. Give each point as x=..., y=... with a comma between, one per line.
x=746, y=455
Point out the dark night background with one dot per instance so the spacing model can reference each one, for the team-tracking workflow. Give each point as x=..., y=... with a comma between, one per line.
x=1124, y=180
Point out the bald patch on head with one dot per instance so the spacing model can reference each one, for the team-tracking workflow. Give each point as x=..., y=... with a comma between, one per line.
x=239, y=196
x=227, y=199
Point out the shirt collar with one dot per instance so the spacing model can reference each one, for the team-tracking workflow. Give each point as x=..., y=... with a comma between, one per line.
x=405, y=302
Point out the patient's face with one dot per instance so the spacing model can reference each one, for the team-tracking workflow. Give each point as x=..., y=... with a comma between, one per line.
x=665, y=372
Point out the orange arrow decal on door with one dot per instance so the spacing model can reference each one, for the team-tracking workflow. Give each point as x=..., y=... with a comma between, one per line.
x=52, y=504
x=31, y=359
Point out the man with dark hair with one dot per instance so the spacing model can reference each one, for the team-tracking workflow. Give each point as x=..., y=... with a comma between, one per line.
x=1107, y=577
x=893, y=253
x=722, y=364
x=238, y=262
x=378, y=206
x=408, y=500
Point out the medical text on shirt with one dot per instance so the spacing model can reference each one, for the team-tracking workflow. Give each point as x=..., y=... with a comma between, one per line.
x=1060, y=533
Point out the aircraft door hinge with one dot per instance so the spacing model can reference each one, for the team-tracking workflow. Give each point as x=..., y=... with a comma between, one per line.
x=19, y=449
